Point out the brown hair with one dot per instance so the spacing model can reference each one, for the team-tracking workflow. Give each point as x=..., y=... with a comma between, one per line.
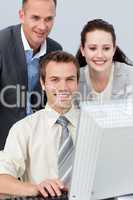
x=100, y=24
x=25, y=1
x=58, y=57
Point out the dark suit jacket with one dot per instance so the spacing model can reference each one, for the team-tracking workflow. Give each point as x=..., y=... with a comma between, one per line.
x=14, y=78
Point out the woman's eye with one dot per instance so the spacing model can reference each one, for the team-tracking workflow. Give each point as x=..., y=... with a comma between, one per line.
x=92, y=48
x=106, y=48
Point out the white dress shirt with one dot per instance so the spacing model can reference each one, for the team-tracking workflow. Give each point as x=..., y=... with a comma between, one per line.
x=32, y=67
x=32, y=145
x=28, y=48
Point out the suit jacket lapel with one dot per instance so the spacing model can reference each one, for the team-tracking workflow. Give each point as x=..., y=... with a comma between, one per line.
x=21, y=66
x=49, y=47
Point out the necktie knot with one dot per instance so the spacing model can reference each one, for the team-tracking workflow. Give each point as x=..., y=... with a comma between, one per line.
x=63, y=121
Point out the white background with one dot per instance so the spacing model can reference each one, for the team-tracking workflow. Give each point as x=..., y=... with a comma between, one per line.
x=73, y=14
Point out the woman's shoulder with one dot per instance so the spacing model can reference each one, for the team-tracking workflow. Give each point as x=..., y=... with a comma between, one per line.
x=123, y=70
x=82, y=69
x=82, y=73
x=123, y=66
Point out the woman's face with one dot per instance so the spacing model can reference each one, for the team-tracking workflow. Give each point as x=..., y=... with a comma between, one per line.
x=98, y=50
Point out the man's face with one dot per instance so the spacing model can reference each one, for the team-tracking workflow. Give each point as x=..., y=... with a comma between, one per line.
x=37, y=18
x=60, y=85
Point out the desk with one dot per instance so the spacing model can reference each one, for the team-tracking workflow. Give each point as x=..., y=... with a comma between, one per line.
x=62, y=197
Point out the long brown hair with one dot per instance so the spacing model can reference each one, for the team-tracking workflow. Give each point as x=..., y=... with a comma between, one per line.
x=100, y=24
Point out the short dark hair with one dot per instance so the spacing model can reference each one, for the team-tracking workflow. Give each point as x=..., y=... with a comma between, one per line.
x=58, y=57
x=25, y=1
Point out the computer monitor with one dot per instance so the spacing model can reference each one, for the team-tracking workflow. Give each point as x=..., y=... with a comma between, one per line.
x=103, y=163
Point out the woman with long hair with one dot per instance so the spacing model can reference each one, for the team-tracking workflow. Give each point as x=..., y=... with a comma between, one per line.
x=106, y=71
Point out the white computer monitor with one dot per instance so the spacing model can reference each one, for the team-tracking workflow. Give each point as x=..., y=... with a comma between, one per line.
x=103, y=164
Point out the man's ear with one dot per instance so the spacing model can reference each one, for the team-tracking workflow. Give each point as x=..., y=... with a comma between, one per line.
x=42, y=84
x=21, y=16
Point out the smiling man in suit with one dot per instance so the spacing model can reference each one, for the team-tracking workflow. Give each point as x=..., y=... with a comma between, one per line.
x=21, y=49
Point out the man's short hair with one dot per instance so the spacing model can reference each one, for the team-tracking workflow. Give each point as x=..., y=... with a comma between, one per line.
x=25, y=1
x=58, y=57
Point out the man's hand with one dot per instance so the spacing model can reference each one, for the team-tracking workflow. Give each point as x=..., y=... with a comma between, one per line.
x=52, y=187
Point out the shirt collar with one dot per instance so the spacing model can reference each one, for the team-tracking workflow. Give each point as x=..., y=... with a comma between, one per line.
x=72, y=115
x=28, y=48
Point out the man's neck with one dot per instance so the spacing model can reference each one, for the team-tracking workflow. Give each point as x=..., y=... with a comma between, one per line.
x=60, y=110
x=28, y=46
x=36, y=50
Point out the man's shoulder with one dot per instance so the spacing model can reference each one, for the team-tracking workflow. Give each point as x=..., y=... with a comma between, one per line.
x=33, y=118
x=9, y=29
x=7, y=34
x=53, y=45
x=29, y=122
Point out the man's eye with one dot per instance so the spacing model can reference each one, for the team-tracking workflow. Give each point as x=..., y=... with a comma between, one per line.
x=49, y=19
x=70, y=79
x=35, y=18
x=54, y=80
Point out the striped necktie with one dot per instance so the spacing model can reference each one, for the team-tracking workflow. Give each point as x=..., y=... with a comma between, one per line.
x=65, y=153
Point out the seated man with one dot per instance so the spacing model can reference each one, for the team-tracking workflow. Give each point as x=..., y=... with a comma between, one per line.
x=34, y=150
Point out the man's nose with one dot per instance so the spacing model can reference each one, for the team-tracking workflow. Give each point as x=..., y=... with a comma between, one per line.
x=63, y=85
x=42, y=25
